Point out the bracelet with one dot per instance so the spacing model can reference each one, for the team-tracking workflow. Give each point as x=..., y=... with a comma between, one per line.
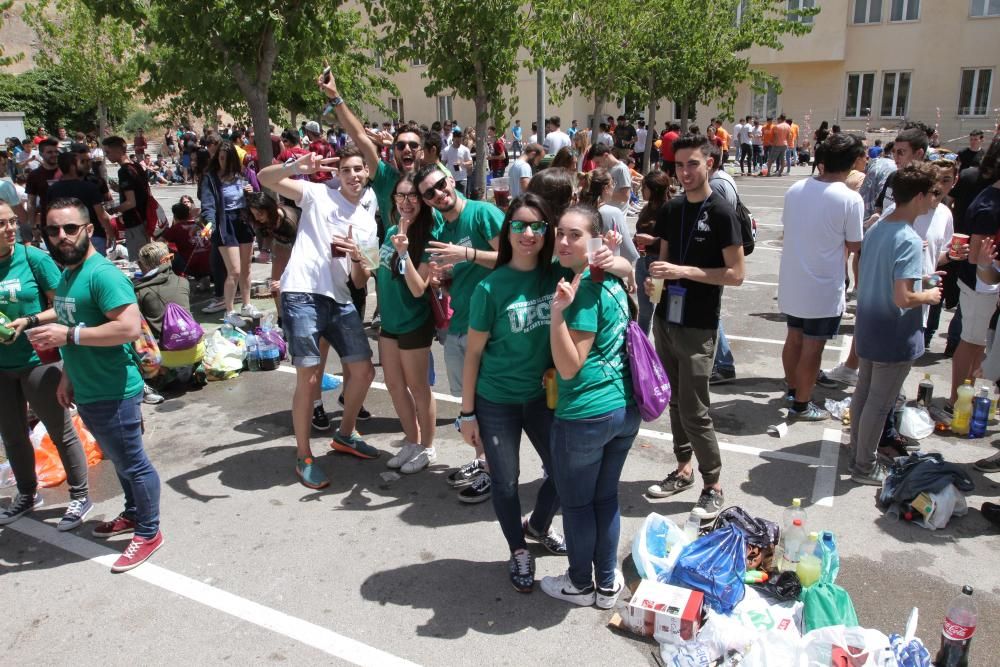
x=336, y=100
x=76, y=333
x=69, y=336
x=466, y=254
x=467, y=418
x=404, y=256
x=475, y=255
x=463, y=413
x=356, y=261
x=32, y=321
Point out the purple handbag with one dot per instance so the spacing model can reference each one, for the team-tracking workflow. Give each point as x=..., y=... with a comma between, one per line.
x=180, y=330
x=650, y=385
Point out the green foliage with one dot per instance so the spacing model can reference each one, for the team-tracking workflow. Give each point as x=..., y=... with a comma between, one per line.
x=46, y=98
x=140, y=118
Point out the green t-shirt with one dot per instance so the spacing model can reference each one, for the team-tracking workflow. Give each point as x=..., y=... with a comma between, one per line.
x=513, y=307
x=83, y=296
x=478, y=224
x=401, y=311
x=604, y=383
x=385, y=180
x=25, y=277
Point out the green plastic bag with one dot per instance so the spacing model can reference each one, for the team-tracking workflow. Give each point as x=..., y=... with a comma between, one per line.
x=825, y=603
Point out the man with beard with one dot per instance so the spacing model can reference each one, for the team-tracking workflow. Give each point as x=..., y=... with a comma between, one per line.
x=39, y=180
x=97, y=319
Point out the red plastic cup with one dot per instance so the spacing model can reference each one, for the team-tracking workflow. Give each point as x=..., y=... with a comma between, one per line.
x=47, y=356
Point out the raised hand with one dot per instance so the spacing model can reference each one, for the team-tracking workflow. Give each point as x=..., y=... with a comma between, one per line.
x=565, y=293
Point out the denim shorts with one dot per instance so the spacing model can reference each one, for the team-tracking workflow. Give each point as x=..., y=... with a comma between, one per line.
x=305, y=317
x=824, y=328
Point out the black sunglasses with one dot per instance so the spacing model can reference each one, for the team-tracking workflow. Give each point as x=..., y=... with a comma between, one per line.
x=441, y=186
x=72, y=229
x=401, y=145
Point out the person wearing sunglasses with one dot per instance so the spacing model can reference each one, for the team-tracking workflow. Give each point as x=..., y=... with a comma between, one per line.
x=29, y=277
x=408, y=325
x=97, y=318
x=462, y=252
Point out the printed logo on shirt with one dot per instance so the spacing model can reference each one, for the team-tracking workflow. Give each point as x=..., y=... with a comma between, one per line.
x=525, y=316
x=9, y=290
x=65, y=308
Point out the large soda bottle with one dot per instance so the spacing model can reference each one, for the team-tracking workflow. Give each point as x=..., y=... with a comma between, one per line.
x=956, y=633
x=793, y=541
x=925, y=391
x=980, y=414
x=962, y=415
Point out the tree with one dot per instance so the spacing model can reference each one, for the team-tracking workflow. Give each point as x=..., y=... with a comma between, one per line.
x=470, y=49
x=47, y=98
x=99, y=58
x=229, y=53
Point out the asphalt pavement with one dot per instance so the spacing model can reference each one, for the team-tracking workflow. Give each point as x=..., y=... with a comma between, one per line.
x=257, y=569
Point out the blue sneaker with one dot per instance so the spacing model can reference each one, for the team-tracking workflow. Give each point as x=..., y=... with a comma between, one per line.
x=310, y=474
x=353, y=444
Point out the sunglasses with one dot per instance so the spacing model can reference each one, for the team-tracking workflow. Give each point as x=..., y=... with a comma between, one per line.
x=402, y=145
x=71, y=229
x=411, y=197
x=537, y=227
x=441, y=186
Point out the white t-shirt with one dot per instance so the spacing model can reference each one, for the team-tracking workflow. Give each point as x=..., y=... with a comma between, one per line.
x=819, y=218
x=312, y=268
x=743, y=133
x=640, y=139
x=555, y=140
x=518, y=169
x=935, y=229
x=533, y=139
x=452, y=155
x=605, y=138
x=756, y=135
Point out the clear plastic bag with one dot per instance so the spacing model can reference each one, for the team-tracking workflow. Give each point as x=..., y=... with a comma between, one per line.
x=916, y=423
x=657, y=546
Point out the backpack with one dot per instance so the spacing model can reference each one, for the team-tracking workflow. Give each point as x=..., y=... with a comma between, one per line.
x=748, y=224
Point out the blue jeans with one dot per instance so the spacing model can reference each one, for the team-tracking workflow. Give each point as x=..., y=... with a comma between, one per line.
x=117, y=426
x=645, y=305
x=587, y=460
x=500, y=427
x=723, y=354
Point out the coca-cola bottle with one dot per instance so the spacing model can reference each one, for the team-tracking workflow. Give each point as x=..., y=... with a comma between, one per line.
x=956, y=633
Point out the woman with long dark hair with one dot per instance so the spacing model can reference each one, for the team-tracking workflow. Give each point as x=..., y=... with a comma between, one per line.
x=223, y=198
x=596, y=192
x=408, y=324
x=819, y=136
x=655, y=192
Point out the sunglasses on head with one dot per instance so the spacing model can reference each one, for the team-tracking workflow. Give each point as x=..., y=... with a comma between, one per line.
x=441, y=186
x=402, y=145
x=537, y=226
x=72, y=229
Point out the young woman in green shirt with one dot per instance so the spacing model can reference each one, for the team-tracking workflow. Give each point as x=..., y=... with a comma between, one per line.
x=407, y=324
x=596, y=419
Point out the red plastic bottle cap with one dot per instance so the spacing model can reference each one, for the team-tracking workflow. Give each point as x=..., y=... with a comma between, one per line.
x=796, y=522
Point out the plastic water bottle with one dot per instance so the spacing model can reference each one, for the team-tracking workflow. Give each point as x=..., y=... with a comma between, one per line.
x=963, y=409
x=957, y=630
x=331, y=382
x=980, y=414
x=692, y=526
x=269, y=355
x=253, y=353
x=792, y=542
x=925, y=391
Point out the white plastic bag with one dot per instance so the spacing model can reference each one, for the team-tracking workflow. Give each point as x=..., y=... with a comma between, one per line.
x=945, y=504
x=916, y=423
x=775, y=648
x=688, y=654
x=865, y=647
x=656, y=547
x=223, y=357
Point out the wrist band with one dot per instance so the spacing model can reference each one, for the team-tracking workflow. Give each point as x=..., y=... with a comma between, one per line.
x=336, y=100
x=475, y=255
x=463, y=413
x=404, y=256
x=32, y=321
x=76, y=334
x=356, y=261
x=466, y=254
x=69, y=336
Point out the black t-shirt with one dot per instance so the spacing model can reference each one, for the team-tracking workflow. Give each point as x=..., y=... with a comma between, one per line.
x=696, y=236
x=982, y=217
x=969, y=185
x=969, y=158
x=131, y=177
x=86, y=192
x=885, y=197
x=623, y=135
x=38, y=184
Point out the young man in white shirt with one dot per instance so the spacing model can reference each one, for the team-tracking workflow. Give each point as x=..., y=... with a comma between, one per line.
x=640, y=145
x=822, y=219
x=315, y=299
x=556, y=138
x=522, y=169
x=458, y=159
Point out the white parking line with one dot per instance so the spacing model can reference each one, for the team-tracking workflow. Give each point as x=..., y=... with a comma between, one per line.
x=825, y=483
x=759, y=282
x=326, y=640
x=742, y=449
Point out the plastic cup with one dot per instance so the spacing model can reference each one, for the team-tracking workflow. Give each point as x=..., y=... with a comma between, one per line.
x=47, y=356
x=657, y=290
x=593, y=245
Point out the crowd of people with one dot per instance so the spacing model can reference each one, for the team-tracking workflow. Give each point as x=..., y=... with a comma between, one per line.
x=530, y=301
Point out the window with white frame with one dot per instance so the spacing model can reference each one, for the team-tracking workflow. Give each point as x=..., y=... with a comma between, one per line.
x=417, y=62
x=867, y=11
x=905, y=10
x=445, y=109
x=860, y=87
x=974, y=98
x=793, y=10
x=895, y=94
x=396, y=108
x=765, y=103
x=379, y=60
x=985, y=8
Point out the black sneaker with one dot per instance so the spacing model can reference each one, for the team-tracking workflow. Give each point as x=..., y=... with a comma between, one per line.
x=18, y=507
x=363, y=415
x=722, y=376
x=479, y=490
x=464, y=475
x=522, y=571
x=823, y=380
x=989, y=464
x=552, y=540
x=673, y=483
x=991, y=512
x=709, y=504
x=320, y=421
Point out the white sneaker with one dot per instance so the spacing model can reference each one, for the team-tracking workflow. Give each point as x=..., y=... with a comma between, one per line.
x=424, y=458
x=561, y=588
x=607, y=599
x=843, y=375
x=214, y=306
x=249, y=310
x=408, y=451
x=150, y=396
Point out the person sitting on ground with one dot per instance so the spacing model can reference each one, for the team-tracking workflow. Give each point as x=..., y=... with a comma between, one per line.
x=188, y=236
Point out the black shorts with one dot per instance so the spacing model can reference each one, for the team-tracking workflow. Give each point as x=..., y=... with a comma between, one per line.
x=418, y=339
x=823, y=328
x=233, y=230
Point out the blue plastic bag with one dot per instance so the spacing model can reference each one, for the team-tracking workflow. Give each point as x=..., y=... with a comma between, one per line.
x=714, y=564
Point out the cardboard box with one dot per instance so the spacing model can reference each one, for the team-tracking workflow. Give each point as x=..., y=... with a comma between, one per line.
x=668, y=613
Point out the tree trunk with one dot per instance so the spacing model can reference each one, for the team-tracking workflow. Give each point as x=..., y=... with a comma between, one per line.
x=647, y=166
x=102, y=121
x=685, y=105
x=295, y=118
x=482, y=153
x=595, y=124
x=257, y=102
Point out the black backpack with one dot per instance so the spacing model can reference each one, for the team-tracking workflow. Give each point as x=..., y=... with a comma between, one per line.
x=748, y=226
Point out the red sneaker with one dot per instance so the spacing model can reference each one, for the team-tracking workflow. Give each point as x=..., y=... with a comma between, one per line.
x=120, y=525
x=138, y=552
